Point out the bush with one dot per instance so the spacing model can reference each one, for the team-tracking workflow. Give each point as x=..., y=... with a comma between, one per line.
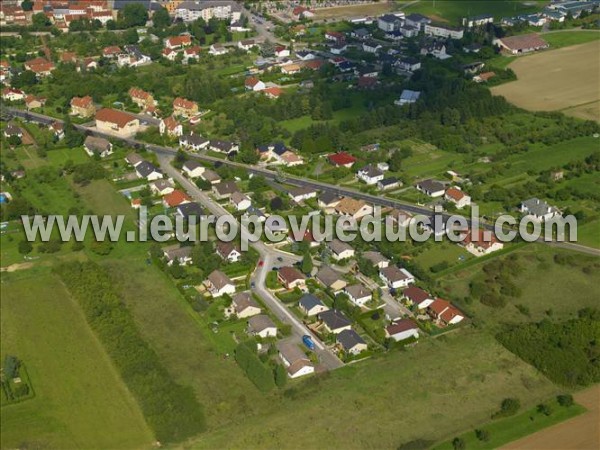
x=509, y=407
x=458, y=443
x=565, y=400
x=256, y=371
x=482, y=435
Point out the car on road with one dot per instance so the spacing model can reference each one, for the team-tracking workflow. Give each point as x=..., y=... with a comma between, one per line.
x=261, y=263
x=307, y=340
x=279, y=258
x=252, y=284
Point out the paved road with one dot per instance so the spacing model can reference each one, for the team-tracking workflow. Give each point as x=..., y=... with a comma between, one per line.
x=271, y=175
x=270, y=256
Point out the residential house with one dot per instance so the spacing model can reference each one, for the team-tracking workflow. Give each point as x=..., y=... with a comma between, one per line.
x=388, y=22
x=191, y=53
x=224, y=189
x=417, y=20
x=82, y=106
x=350, y=207
x=58, y=129
x=482, y=242
x=254, y=84
x=219, y=284
x=243, y=306
x=240, y=202
x=342, y=159
x=335, y=36
x=133, y=159
x=13, y=130
x=183, y=255
x=273, y=92
x=175, y=198
x=184, y=108
x=437, y=49
x=178, y=42
x=162, y=187
x=141, y=98
x=377, y=259
x=371, y=46
x=417, y=297
x=247, y=44
x=291, y=69
x=358, y=294
x=330, y=279
x=409, y=31
x=291, y=278
x=361, y=34
x=282, y=51
x=522, y=43
x=340, y=250
x=407, y=97
x=458, y=197
x=408, y=64
x=262, y=326
x=432, y=188
x=117, y=122
x=111, y=52
x=190, y=210
x=538, y=210
x=401, y=330
x=301, y=193
x=218, y=50
x=400, y=217
x=305, y=55
x=97, y=146
x=396, y=277
x=192, y=168
x=148, y=171
x=484, y=77
x=328, y=200
x=444, y=313
x=228, y=251
x=40, y=66
x=295, y=360
x=170, y=126
x=444, y=31
x=370, y=174
x=477, y=21
x=211, y=177
x=388, y=183
x=334, y=321
x=351, y=342
x=193, y=141
x=33, y=102
x=311, y=305
x=12, y=94
x=220, y=146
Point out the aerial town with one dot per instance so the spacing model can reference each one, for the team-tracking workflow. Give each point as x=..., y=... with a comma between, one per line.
x=430, y=131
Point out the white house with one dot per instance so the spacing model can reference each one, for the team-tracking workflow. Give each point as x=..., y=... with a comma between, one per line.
x=538, y=210
x=302, y=193
x=240, y=202
x=407, y=97
x=217, y=50
x=262, y=326
x=396, y=277
x=148, y=171
x=417, y=297
x=358, y=294
x=243, y=306
x=444, y=31
x=458, y=197
x=402, y=329
x=228, y=251
x=351, y=342
x=296, y=362
x=193, y=141
x=340, y=250
x=219, y=284
x=482, y=243
x=370, y=174
x=193, y=169
x=377, y=259
x=311, y=305
x=431, y=188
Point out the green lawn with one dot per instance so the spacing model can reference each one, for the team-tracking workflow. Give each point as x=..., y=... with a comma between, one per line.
x=589, y=234
x=428, y=391
x=80, y=400
x=503, y=431
x=441, y=252
x=559, y=39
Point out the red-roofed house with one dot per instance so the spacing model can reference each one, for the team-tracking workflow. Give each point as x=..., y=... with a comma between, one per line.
x=458, y=197
x=40, y=66
x=273, y=92
x=185, y=108
x=443, y=313
x=254, y=84
x=291, y=278
x=483, y=242
x=82, y=106
x=483, y=77
x=177, y=42
x=335, y=36
x=111, y=52
x=176, y=198
x=171, y=127
x=342, y=159
x=141, y=98
x=117, y=122
x=12, y=94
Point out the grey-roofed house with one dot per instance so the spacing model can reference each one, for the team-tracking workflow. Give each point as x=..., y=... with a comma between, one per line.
x=192, y=168
x=334, y=321
x=329, y=199
x=183, y=255
x=370, y=174
x=162, y=187
x=388, y=183
x=218, y=284
x=193, y=141
x=358, y=294
x=340, y=250
x=187, y=210
x=211, y=176
x=330, y=279
x=133, y=159
x=224, y=189
x=97, y=146
x=13, y=130
x=407, y=97
x=377, y=259
x=538, y=210
x=417, y=20
x=432, y=188
x=226, y=147
x=295, y=360
x=351, y=342
x=262, y=326
x=311, y=305
x=147, y=170
x=396, y=277
x=243, y=306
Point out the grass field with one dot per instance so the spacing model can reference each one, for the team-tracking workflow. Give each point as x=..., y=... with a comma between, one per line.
x=512, y=428
x=558, y=39
x=430, y=391
x=545, y=80
x=80, y=399
x=348, y=12
x=545, y=286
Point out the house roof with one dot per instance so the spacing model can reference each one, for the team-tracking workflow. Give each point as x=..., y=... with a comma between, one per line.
x=238, y=197
x=273, y=91
x=251, y=81
x=339, y=247
x=193, y=139
x=190, y=209
x=179, y=40
x=431, y=185
x=218, y=279
x=328, y=276
x=291, y=352
x=224, y=146
x=112, y=50
x=309, y=301
x=192, y=165
x=134, y=158
x=162, y=184
x=242, y=301
x=334, y=319
x=177, y=252
x=176, y=198
x=119, y=118
x=300, y=191
x=483, y=238
x=455, y=194
x=139, y=93
x=260, y=323
x=290, y=274
x=394, y=273
x=341, y=159
x=415, y=294
x=97, y=144
x=401, y=326
x=226, y=248
x=410, y=96
x=349, y=339
x=210, y=176
x=537, y=207
x=349, y=206
x=180, y=102
x=389, y=181
x=329, y=197
x=370, y=171
x=145, y=168
x=82, y=102
x=357, y=291
x=523, y=41
x=375, y=257
x=171, y=123
x=226, y=187
x=484, y=76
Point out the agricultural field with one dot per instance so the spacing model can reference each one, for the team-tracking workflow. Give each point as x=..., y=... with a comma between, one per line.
x=80, y=399
x=545, y=81
x=348, y=12
x=436, y=388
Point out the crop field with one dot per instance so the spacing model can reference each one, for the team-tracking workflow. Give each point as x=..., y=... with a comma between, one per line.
x=453, y=11
x=545, y=81
x=348, y=12
x=80, y=400
x=577, y=433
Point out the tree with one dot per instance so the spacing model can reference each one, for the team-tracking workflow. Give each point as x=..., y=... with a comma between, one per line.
x=458, y=443
x=27, y=5
x=102, y=248
x=395, y=161
x=482, y=435
x=25, y=247
x=280, y=376
x=544, y=409
x=134, y=15
x=131, y=36
x=14, y=140
x=509, y=407
x=161, y=18
x=40, y=21
x=307, y=264
x=565, y=400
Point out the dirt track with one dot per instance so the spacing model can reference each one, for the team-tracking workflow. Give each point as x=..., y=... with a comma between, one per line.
x=563, y=79
x=579, y=433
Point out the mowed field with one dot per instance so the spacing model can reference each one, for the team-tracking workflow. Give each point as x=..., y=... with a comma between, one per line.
x=579, y=433
x=347, y=12
x=564, y=79
x=80, y=401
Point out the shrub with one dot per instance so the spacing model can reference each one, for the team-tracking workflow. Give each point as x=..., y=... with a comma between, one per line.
x=509, y=407
x=482, y=435
x=565, y=400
